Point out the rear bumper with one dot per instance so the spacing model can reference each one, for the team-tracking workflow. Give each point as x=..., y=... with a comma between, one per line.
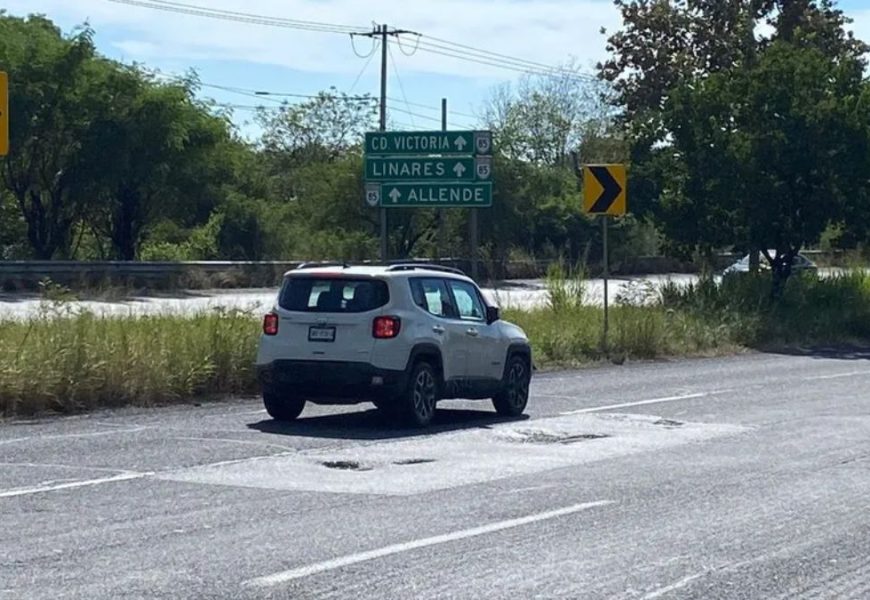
x=331, y=382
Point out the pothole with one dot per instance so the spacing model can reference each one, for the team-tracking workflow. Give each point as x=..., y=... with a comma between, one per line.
x=583, y=437
x=345, y=465
x=668, y=423
x=414, y=461
x=547, y=437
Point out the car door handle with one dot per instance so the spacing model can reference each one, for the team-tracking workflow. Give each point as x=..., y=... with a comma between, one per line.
x=472, y=332
x=438, y=329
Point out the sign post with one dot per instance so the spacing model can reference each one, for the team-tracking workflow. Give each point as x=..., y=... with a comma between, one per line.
x=437, y=169
x=4, y=114
x=604, y=194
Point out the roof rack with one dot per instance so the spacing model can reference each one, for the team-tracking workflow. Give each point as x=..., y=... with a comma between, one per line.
x=317, y=265
x=424, y=266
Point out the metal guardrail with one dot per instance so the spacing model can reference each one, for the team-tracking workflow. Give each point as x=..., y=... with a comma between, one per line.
x=27, y=273
x=12, y=267
x=17, y=274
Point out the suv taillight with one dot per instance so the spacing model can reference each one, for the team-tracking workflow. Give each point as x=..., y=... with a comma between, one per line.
x=386, y=327
x=270, y=324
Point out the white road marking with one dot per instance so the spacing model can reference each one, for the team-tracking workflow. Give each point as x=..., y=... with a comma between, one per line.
x=785, y=551
x=352, y=559
x=673, y=587
x=644, y=402
x=59, y=466
x=233, y=441
x=72, y=484
x=63, y=436
x=530, y=488
x=123, y=475
x=838, y=375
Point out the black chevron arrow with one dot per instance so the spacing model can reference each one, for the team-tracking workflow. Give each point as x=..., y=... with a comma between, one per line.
x=610, y=192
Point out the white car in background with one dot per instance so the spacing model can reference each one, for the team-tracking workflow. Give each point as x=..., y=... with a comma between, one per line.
x=401, y=336
x=799, y=264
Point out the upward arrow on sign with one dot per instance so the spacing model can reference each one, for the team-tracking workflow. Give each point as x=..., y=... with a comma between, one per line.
x=395, y=195
x=460, y=143
x=459, y=169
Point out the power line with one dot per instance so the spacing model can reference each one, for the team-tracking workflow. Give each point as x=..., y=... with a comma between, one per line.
x=399, y=80
x=251, y=107
x=408, y=126
x=272, y=97
x=437, y=46
x=497, y=63
x=512, y=59
x=366, y=65
x=241, y=17
x=434, y=108
x=414, y=114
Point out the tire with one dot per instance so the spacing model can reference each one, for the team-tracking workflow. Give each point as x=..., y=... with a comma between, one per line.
x=418, y=402
x=282, y=407
x=512, y=399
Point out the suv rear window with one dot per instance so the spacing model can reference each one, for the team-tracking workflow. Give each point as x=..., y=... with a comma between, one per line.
x=332, y=294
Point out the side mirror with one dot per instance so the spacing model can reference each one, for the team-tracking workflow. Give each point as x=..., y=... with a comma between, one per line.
x=492, y=314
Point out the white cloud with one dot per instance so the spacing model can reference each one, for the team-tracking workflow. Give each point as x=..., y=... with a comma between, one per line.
x=545, y=31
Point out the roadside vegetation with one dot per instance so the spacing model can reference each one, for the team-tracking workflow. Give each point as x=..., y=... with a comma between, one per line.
x=714, y=316
x=64, y=362
x=61, y=361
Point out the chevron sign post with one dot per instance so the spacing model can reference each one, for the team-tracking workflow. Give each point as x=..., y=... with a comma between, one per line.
x=604, y=194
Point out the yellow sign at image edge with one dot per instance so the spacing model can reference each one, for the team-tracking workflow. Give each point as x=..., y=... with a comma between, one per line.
x=4, y=114
x=604, y=190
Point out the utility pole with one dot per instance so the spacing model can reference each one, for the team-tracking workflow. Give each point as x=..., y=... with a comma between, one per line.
x=439, y=214
x=382, y=32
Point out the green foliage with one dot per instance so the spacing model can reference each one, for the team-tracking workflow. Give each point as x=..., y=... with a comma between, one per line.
x=739, y=139
x=572, y=336
x=200, y=244
x=811, y=310
x=771, y=153
x=566, y=287
x=665, y=44
x=166, y=154
x=71, y=362
x=67, y=360
x=52, y=79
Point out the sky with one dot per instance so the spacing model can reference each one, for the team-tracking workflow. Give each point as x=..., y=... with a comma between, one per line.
x=290, y=61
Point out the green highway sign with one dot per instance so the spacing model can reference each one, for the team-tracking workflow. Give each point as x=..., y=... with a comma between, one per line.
x=461, y=168
x=439, y=195
x=405, y=143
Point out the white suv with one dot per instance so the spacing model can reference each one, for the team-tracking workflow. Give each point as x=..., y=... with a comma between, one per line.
x=401, y=336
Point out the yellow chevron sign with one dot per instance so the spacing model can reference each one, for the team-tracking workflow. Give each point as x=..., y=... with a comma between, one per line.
x=604, y=190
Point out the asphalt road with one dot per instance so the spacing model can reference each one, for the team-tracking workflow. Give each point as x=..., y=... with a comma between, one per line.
x=744, y=477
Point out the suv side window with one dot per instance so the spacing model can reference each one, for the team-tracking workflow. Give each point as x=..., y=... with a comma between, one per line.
x=432, y=296
x=468, y=302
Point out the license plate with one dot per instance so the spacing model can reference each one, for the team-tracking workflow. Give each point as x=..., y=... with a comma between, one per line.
x=321, y=334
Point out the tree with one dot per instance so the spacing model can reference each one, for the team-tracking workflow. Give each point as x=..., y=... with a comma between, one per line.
x=51, y=78
x=152, y=151
x=666, y=45
x=322, y=129
x=544, y=118
x=770, y=155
